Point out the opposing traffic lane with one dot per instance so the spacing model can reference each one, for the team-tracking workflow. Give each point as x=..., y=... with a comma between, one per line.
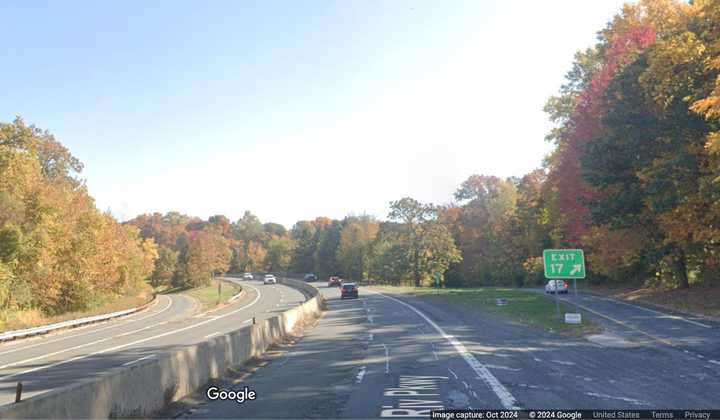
x=93, y=352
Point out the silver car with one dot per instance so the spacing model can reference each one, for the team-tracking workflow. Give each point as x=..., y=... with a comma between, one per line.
x=559, y=286
x=269, y=279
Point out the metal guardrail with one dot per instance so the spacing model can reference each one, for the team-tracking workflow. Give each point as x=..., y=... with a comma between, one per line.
x=12, y=335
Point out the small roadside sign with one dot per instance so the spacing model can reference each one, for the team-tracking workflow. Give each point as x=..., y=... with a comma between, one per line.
x=571, y=318
x=564, y=263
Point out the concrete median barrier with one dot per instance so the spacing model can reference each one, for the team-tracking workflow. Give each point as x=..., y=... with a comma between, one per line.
x=141, y=389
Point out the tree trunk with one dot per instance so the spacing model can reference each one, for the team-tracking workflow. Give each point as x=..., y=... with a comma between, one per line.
x=682, y=272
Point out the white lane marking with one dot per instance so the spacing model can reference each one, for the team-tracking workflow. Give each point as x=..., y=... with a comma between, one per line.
x=370, y=337
x=43, y=356
x=563, y=362
x=212, y=334
x=624, y=324
x=360, y=375
x=138, y=360
x=89, y=332
x=387, y=358
x=466, y=385
x=503, y=368
x=663, y=314
x=506, y=398
x=604, y=396
x=141, y=329
x=452, y=373
x=121, y=346
x=714, y=361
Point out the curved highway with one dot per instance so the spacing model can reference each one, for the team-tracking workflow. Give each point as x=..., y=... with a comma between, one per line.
x=51, y=361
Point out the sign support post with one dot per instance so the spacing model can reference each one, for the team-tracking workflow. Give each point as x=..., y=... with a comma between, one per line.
x=575, y=287
x=563, y=264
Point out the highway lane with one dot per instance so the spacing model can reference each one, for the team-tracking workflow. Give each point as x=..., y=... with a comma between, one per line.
x=399, y=356
x=45, y=364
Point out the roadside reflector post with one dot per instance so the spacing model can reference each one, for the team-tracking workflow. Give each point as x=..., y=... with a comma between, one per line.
x=219, y=290
x=18, y=392
x=253, y=320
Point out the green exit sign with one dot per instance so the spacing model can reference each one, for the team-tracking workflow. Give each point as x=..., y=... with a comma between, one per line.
x=564, y=263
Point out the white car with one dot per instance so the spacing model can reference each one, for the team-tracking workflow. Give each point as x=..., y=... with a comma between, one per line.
x=269, y=279
x=247, y=276
x=559, y=286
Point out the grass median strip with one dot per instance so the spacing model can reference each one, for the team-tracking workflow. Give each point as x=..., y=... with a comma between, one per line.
x=525, y=307
x=208, y=295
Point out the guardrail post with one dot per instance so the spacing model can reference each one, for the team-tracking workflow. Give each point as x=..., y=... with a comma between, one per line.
x=18, y=392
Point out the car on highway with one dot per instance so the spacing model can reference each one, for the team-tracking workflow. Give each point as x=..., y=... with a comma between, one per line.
x=334, y=281
x=247, y=276
x=269, y=279
x=559, y=286
x=310, y=277
x=348, y=290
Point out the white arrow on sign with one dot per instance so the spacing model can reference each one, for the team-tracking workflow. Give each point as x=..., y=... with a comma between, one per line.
x=576, y=269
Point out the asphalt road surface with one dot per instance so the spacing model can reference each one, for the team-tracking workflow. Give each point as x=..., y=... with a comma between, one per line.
x=385, y=355
x=51, y=361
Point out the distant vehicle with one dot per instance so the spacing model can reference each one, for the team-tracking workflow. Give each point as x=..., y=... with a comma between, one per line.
x=334, y=281
x=269, y=279
x=348, y=290
x=559, y=286
x=247, y=276
x=310, y=277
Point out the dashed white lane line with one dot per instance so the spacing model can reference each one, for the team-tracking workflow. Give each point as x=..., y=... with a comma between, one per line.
x=138, y=360
x=503, y=368
x=122, y=346
x=563, y=362
x=714, y=362
x=452, y=373
x=360, y=375
x=387, y=358
x=89, y=332
x=506, y=398
x=611, y=397
x=141, y=329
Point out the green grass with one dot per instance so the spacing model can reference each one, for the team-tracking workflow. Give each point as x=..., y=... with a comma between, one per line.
x=528, y=308
x=208, y=295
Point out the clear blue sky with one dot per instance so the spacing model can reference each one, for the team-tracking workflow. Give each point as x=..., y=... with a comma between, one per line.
x=290, y=109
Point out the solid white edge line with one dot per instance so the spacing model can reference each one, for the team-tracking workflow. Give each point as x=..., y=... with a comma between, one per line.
x=138, y=360
x=121, y=346
x=506, y=398
x=664, y=315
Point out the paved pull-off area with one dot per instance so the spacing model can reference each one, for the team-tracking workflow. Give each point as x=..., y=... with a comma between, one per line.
x=386, y=355
x=48, y=362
